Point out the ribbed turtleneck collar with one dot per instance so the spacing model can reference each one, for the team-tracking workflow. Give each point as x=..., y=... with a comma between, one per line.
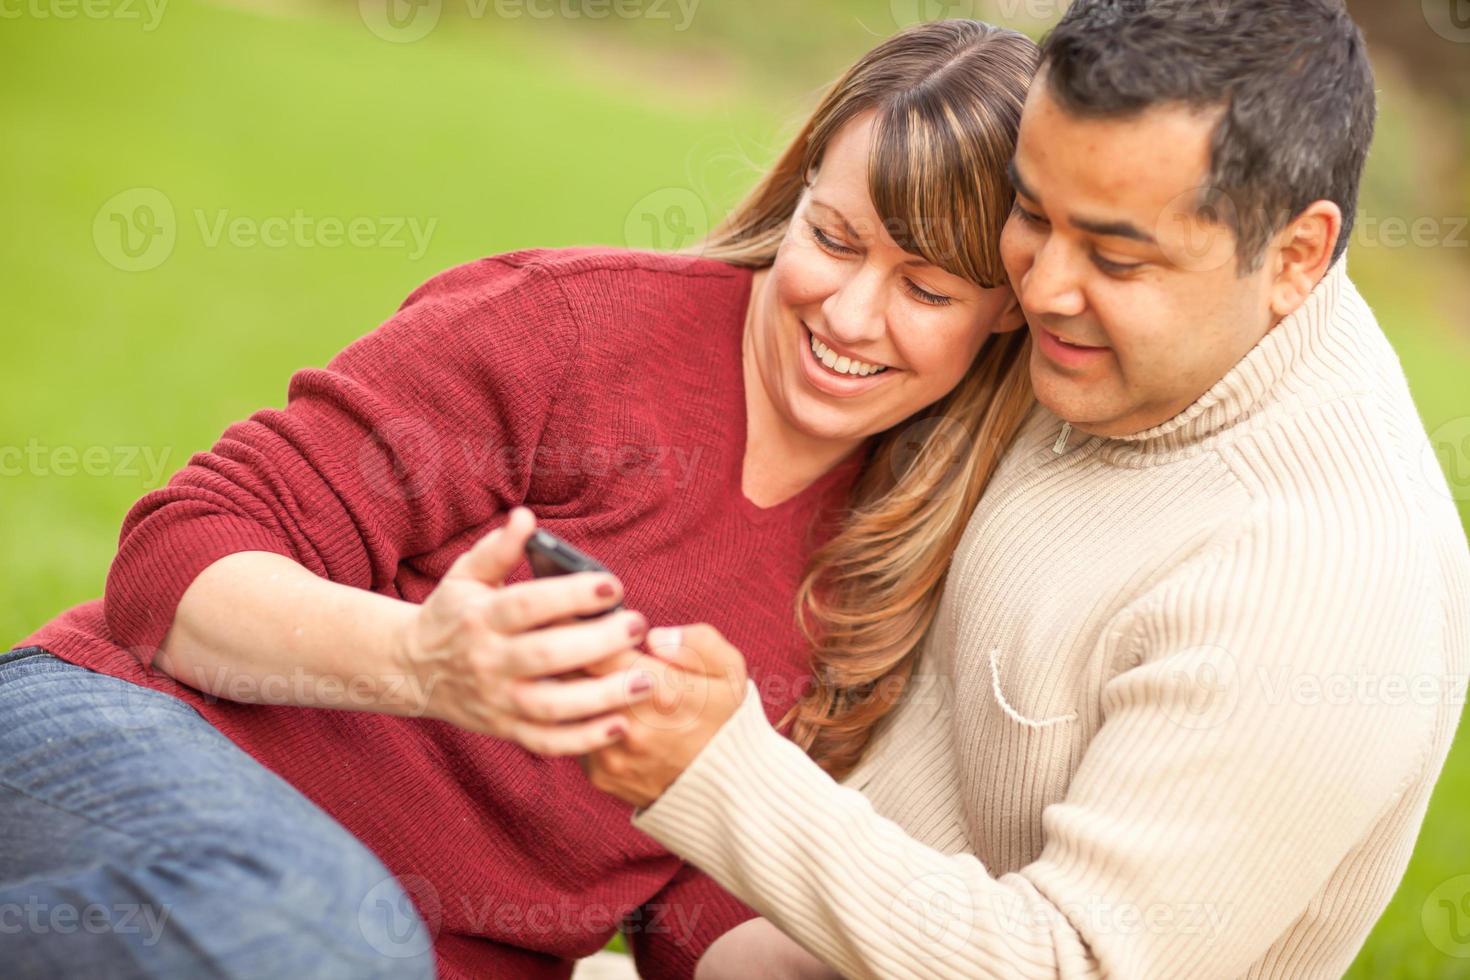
x=1296, y=342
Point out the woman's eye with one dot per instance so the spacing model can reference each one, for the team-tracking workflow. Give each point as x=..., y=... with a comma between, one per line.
x=831, y=244
x=924, y=296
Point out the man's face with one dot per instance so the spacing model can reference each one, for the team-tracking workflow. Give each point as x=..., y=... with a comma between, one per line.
x=1136, y=304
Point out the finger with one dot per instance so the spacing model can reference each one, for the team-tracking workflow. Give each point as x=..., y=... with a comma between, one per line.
x=620, y=661
x=495, y=555
x=558, y=700
x=548, y=601
x=577, y=738
x=698, y=648
x=545, y=652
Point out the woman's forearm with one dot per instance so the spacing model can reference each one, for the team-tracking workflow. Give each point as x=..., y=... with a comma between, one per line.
x=258, y=627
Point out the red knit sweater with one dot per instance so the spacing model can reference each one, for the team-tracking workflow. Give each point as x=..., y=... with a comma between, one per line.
x=601, y=388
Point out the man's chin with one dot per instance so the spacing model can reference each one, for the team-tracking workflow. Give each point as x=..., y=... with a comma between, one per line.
x=1068, y=398
x=1078, y=403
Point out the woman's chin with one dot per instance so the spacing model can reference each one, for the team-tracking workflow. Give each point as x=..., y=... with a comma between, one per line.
x=825, y=423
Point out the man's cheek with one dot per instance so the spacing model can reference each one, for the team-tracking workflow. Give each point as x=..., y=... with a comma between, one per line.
x=1015, y=254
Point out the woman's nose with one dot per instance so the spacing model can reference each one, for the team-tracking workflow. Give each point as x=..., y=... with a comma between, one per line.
x=857, y=311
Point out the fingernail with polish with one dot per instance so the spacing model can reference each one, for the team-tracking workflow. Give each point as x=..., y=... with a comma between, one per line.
x=637, y=627
x=640, y=683
x=606, y=590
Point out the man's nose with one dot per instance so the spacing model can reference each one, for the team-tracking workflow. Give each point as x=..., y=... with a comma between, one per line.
x=1052, y=286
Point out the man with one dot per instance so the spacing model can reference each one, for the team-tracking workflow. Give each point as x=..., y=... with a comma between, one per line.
x=1204, y=642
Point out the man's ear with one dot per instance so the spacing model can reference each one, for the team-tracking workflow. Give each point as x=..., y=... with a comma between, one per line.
x=1302, y=254
x=1012, y=317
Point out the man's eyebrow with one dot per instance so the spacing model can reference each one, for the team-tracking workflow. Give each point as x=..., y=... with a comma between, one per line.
x=840, y=217
x=1022, y=188
x=1107, y=229
x=1116, y=229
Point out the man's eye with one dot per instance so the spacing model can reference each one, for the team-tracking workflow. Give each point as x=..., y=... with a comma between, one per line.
x=1115, y=268
x=829, y=243
x=1030, y=217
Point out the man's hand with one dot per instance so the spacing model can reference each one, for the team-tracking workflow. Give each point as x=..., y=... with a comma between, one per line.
x=699, y=681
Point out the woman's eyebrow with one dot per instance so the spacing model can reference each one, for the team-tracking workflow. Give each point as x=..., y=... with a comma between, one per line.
x=840, y=217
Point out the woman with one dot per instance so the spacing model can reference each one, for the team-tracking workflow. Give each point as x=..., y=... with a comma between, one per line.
x=697, y=423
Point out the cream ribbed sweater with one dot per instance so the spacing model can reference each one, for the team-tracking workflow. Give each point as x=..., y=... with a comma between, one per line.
x=1181, y=709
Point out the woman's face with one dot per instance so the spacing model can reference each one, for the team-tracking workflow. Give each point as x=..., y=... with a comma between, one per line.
x=851, y=334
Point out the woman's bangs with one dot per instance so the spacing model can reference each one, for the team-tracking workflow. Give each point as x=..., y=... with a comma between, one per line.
x=932, y=195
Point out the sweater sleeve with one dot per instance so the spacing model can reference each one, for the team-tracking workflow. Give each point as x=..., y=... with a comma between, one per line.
x=669, y=933
x=422, y=429
x=1230, y=776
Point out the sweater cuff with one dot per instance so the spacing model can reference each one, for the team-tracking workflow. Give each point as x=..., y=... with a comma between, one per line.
x=727, y=770
x=151, y=573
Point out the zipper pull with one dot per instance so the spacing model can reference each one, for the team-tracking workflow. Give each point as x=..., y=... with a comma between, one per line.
x=1060, y=446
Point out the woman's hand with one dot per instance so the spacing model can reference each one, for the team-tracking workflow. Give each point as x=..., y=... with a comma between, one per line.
x=481, y=654
x=698, y=682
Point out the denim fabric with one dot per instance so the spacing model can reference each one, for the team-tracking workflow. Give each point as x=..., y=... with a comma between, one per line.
x=137, y=841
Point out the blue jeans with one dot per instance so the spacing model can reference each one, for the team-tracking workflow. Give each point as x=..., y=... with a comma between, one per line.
x=137, y=841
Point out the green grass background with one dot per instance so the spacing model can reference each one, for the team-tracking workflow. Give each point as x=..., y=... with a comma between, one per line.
x=507, y=132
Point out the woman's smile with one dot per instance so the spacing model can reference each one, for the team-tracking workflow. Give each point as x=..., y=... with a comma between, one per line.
x=839, y=378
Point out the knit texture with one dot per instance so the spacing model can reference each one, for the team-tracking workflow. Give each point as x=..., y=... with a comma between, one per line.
x=604, y=390
x=1180, y=713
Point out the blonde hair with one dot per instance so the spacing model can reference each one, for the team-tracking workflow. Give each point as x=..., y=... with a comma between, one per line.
x=948, y=97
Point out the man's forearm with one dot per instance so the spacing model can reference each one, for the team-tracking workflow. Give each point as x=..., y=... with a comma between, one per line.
x=259, y=628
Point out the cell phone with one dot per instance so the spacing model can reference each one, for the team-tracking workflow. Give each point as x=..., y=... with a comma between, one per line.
x=550, y=555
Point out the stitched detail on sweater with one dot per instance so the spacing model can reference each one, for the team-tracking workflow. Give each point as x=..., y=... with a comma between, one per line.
x=1011, y=712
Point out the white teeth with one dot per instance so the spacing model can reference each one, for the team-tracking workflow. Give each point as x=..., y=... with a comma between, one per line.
x=844, y=365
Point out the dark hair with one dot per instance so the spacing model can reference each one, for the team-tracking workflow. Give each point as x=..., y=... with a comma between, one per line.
x=1291, y=76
